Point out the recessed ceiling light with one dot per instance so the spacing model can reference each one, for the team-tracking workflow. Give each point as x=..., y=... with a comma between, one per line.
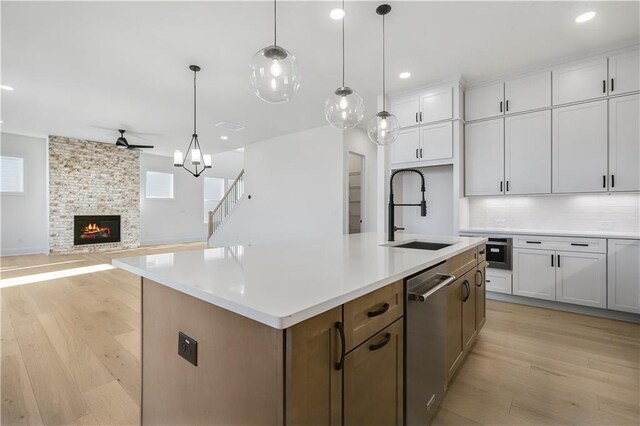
x=585, y=17
x=337, y=14
x=229, y=126
x=224, y=138
x=405, y=74
x=3, y=87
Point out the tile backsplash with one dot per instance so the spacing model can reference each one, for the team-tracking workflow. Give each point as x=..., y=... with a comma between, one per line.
x=593, y=212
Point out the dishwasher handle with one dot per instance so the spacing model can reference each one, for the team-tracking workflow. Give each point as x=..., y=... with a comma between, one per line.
x=419, y=296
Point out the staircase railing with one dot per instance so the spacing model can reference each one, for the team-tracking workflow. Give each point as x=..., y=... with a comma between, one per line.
x=224, y=208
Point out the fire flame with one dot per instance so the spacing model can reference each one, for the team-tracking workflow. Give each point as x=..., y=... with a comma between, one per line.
x=93, y=228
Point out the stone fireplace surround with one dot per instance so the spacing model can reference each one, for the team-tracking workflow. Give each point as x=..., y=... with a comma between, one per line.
x=92, y=178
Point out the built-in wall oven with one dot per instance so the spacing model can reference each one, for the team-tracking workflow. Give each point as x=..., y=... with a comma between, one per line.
x=499, y=252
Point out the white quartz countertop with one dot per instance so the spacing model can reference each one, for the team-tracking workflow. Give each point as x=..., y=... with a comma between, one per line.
x=553, y=233
x=281, y=284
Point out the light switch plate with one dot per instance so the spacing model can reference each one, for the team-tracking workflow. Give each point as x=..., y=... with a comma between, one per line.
x=188, y=348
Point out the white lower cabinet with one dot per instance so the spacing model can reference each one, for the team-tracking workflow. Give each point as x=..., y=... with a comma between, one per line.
x=498, y=281
x=534, y=273
x=581, y=278
x=623, y=264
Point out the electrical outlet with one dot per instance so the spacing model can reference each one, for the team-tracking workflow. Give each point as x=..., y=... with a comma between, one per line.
x=605, y=224
x=188, y=348
x=500, y=221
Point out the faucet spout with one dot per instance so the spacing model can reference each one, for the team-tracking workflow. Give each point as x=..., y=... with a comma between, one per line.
x=392, y=205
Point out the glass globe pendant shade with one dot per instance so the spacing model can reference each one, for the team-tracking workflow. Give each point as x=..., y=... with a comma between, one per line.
x=344, y=109
x=274, y=75
x=384, y=128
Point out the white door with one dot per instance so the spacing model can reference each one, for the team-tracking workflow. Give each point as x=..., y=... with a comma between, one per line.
x=484, y=102
x=624, y=72
x=484, y=158
x=436, y=105
x=528, y=93
x=534, y=273
x=624, y=143
x=580, y=81
x=527, y=145
x=407, y=147
x=406, y=110
x=436, y=141
x=623, y=264
x=581, y=278
x=580, y=148
x=498, y=282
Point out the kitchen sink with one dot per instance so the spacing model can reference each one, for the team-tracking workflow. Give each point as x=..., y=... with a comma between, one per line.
x=422, y=245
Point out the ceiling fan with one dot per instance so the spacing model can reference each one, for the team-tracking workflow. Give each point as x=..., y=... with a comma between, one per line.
x=122, y=142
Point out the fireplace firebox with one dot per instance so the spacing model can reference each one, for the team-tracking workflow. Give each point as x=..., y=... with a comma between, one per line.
x=96, y=229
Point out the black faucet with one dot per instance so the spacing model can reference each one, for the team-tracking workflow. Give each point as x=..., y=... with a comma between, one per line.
x=423, y=203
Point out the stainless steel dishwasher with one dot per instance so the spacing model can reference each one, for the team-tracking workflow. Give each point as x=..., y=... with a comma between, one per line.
x=425, y=350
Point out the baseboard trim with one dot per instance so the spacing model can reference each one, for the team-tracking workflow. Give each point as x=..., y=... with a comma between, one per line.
x=559, y=306
x=173, y=240
x=24, y=251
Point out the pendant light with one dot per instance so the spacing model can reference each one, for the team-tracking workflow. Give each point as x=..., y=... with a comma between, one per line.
x=274, y=71
x=383, y=129
x=344, y=109
x=198, y=160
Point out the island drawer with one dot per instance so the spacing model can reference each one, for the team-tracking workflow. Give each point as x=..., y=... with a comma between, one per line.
x=367, y=315
x=461, y=263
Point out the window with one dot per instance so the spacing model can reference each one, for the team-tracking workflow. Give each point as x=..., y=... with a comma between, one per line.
x=214, y=189
x=159, y=185
x=11, y=174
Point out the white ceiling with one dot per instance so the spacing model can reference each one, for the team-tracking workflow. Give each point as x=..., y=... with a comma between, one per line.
x=79, y=66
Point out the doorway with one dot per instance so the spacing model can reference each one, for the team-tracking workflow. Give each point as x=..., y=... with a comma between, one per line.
x=356, y=186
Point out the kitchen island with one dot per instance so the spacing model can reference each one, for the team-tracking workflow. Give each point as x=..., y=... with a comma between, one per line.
x=285, y=332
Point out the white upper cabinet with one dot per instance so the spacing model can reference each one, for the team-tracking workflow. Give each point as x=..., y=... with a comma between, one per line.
x=624, y=143
x=528, y=93
x=484, y=158
x=484, y=102
x=624, y=72
x=436, y=141
x=623, y=275
x=436, y=105
x=580, y=148
x=528, y=153
x=406, y=109
x=581, y=278
x=580, y=81
x=407, y=147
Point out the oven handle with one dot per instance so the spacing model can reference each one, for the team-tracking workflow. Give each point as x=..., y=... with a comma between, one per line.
x=421, y=297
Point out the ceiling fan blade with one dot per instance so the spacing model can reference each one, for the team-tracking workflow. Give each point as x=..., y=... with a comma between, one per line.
x=140, y=146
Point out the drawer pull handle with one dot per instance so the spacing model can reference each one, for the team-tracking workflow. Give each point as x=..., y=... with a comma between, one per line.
x=481, y=251
x=534, y=242
x=343, y=345
x=380, y=311
x=580, y=244
x=376, y=346
x=467, y=287
x=479, y=284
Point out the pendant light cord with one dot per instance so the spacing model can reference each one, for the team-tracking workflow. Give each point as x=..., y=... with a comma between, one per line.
x=194, y=102
x=384, y=101
x=275, y=23
x=343, y=18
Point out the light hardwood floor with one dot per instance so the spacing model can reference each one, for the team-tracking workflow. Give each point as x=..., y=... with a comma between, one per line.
x=70, y=354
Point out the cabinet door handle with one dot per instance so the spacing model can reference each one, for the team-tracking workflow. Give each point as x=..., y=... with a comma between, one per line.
x=380, y=311
x=376, y=346
x=604, y=181
x=507, y=186
x=466, y=286
x=343, y=345
x=613, y=181
x=580, y=244
x=421, y=116
x=417, y=153
x=500, y=186
x=558, y=261
x=507, y=105
x=479, y=284
x=481, y=251
x=488, y=281
x=604, y=86
x=612, y=84
x=420, y=152
x=416, y=117
x=534, y=242
x=552, y=256
x=500, y=106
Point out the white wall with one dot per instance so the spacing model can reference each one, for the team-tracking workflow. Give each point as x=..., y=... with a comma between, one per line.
x=439, y=196
x=357, y=142
x=593, y=212
x=24, y=226
x=296, y=186
x=180, y=219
